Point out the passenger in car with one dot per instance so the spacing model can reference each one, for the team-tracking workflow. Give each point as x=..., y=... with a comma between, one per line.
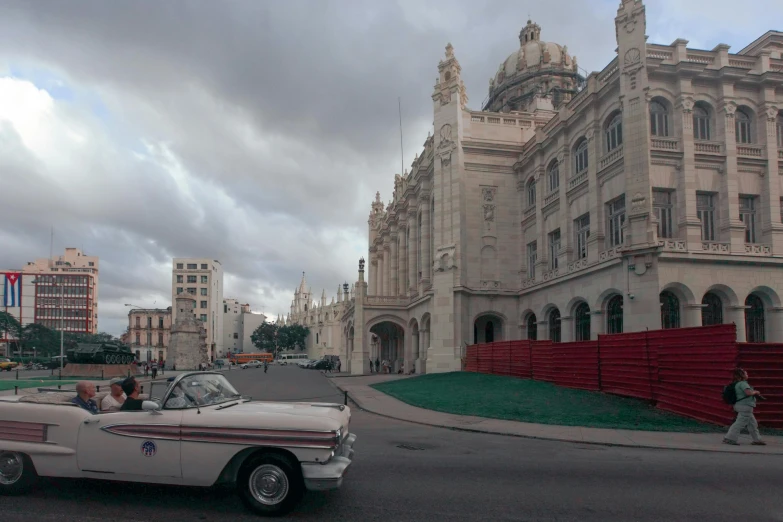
x=85, y=391
x=132, y=388
x=115, y=400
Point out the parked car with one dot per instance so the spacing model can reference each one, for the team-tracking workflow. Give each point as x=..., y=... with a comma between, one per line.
x=7, y=364
x=252, y=364
x=323, y=364
x=271, y=452
x=305, y=363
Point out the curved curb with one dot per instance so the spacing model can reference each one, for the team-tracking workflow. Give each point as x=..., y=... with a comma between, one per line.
x=554, y=439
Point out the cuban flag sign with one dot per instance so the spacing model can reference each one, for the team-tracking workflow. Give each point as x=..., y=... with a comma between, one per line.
x=12, y=296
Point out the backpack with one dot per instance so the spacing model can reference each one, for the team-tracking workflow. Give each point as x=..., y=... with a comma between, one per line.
x=730, y=393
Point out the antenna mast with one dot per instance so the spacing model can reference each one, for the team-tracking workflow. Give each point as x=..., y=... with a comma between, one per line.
x=402, y=153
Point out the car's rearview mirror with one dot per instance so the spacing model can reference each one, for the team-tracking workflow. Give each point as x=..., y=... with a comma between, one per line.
x=150, y=406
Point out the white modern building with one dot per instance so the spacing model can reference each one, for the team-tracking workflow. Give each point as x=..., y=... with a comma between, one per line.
x=201, y=279
x=239, y=323
x=646, y=195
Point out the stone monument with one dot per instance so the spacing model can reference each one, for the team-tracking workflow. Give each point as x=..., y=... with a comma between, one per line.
x=188, y=345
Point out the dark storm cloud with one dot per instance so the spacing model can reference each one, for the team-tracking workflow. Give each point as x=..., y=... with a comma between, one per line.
x=254, y=132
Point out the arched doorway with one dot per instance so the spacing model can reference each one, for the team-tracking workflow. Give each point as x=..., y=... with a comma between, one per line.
x=754, y=319
x=712, y=309
x=553, y=318
x=614, y=315
x=532, y=327
x=670, y=310
x=487, y=329
x=582, y=322
x=391, y=344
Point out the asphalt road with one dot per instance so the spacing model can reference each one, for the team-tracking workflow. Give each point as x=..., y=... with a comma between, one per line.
x=450, y=476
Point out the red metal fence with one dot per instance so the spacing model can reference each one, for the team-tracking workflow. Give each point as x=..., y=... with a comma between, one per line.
x=683, y=370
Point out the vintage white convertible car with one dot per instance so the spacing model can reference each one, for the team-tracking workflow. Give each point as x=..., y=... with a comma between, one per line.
x=194, y=431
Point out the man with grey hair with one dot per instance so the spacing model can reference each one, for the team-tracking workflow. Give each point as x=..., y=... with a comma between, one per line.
x=85, y=391
x=114, y=401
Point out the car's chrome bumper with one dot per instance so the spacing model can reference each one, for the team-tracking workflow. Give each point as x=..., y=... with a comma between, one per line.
x=320, y=477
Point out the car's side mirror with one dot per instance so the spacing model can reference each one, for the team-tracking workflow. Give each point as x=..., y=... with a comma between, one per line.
x=151, y=406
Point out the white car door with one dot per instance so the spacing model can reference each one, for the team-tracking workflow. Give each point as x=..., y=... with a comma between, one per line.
x=137, y=443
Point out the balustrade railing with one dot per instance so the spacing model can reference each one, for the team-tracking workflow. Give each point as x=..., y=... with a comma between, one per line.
x=752, y=151
x=551, y=198
x=708, y=147
x=716, y=247
x=611, y=157
x=665, y=143
x=577, y=179
x=764, y=250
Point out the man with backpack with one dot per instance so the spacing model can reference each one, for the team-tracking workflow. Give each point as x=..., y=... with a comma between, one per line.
x=743, y=397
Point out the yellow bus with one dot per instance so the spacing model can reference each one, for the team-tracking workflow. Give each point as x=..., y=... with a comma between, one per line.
x=242, y=358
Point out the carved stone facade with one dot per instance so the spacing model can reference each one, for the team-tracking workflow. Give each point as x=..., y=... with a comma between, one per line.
x=651, y=198
x=188, y=345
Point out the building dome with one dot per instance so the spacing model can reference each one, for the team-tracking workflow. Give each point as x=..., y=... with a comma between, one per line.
x=537, y=67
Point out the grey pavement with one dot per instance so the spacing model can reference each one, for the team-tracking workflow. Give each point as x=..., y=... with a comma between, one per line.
x=411, y=472
x=372, y=400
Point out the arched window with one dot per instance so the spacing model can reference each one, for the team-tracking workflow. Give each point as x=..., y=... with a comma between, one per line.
x=659, y=119
x=489, y=332
x=582, y=322
x=531, y=193
x=742, y=125
x=614, y=315
x=531, y=327
x=581, y=157
x=754, y=319
x=670, y=310
x=554, y=325
x=701, y=123
x=712, y=310
x=553, y=176
x=614, y=132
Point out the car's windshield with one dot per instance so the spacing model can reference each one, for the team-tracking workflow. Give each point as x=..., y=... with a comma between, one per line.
x=200, y=390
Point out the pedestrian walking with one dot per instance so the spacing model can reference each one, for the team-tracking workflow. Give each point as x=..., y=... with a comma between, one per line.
x=372, y=365
x=154, y=369
x=266, y=366
x=745, y=401
x=339, y=364
x=163, y=367
x=377, y=365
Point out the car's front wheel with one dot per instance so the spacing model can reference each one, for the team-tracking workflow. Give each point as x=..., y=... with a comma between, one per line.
x=17, y=473
x=270, y=484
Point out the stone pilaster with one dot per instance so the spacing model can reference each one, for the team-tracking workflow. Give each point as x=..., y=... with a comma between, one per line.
x=688, y=222
x=413, y=276
x=731, y=228
x=771, y=227
x=394, y=266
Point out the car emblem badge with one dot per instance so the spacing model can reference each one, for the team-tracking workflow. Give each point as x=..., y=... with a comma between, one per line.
x=148, y=448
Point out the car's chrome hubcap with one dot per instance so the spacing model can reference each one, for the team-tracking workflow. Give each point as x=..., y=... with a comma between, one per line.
x=268, y=484
x=11, y=467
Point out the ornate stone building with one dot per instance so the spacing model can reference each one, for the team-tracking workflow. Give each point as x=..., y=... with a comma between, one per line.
x=188, y=346
x=647, y=195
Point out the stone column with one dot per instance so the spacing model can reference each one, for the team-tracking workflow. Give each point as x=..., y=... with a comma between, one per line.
x=402, y=287
x=736, y=314
x=774, y=325
x=426, y=269
x=691, y=315
x=596, y=240
x=597, y=324
x=416, y=355
x=731, y=228
x=373, y=274
x=385, y=285
x=688, y=224
x=566, y=328
x=412, y=275
x=394, y=266
x=771, y=232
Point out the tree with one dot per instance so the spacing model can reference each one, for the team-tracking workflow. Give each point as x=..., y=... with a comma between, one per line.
x=45, y=341
x=291, y=337
x=9, y=324
x=264, y=337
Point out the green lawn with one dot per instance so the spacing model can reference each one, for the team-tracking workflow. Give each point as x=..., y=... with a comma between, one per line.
x=31, y=383
x=524, y=400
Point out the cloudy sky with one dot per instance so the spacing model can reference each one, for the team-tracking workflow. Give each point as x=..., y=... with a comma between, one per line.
x=254, y=132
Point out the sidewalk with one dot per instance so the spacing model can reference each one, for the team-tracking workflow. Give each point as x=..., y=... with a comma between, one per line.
x=374, y=401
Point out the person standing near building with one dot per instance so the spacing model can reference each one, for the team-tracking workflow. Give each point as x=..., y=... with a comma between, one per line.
x=372, y=365
x=377, y=365
x=154, y=369
x=746, y=401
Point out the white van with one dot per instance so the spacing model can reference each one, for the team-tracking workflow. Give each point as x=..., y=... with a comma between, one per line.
x=291, y=358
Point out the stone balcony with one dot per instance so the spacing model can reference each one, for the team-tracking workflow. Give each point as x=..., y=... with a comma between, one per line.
x=668, y=144
x=750, y=151
x=610, y=158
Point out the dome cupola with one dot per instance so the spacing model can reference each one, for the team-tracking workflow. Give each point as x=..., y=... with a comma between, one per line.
x=536, y=69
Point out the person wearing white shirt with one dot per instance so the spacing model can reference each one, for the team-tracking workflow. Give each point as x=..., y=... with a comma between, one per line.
x=114, y=400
